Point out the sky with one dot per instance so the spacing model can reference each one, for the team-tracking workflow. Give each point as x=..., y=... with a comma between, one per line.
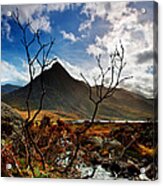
x=82, y=31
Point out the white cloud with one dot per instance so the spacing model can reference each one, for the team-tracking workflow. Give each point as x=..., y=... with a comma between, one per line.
x=33, y=13
x=18, y=75
x=42, y=22
x=94, y=50
x=9, y=73
x=58, y=7
x=69, y=36
x=93, y=10
x=136, y=36
x=37, y=13
x=86, y=24
x=61, y=6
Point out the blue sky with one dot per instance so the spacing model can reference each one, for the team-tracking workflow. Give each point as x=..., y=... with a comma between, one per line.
x=82, y=31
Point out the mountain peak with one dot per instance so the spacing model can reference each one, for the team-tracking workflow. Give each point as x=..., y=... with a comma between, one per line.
x=58, y=68
x=58, y=72
x=57, y=65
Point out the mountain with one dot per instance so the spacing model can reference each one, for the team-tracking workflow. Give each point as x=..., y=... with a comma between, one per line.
x=64, y=93
x=7, y=88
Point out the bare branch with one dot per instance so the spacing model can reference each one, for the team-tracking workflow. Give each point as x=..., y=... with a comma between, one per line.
x=48, y=63
x=101, y=92
x=89, y=87
x=49, y=49
x=32, y=59
x=32, y=40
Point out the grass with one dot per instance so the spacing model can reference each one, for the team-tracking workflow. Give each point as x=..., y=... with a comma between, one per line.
x=102, y=140
x=54, y=115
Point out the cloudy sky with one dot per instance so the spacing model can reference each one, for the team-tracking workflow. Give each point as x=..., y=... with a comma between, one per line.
x=81, y=32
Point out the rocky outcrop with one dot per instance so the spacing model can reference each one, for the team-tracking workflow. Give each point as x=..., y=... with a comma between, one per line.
x=10, y=120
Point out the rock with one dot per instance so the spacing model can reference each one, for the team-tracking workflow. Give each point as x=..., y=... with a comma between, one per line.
x=152, y=171
x=102, y=174
x=10, y=120
x=143, y=177
x=114, y=143
x=115, y=169
x=133, y=171
x=106, y=166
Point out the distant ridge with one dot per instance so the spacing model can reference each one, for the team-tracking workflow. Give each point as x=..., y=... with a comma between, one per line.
x=67, y=94
x=7, y=88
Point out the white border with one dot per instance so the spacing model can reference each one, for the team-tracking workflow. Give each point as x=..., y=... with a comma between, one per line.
x=54, y=182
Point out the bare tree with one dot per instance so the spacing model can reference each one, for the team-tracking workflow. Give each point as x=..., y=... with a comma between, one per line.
x=105, y=85
x=41, y=58
x=109, y=78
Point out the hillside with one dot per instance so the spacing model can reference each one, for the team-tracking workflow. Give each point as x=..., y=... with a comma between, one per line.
x=7, y=88
x=10, y=119
x=64, y=93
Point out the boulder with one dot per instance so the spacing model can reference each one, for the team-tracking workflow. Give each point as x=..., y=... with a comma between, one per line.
x=10, y=120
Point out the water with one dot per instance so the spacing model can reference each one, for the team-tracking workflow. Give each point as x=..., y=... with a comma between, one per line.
x=109, y=121
x=100, y=173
